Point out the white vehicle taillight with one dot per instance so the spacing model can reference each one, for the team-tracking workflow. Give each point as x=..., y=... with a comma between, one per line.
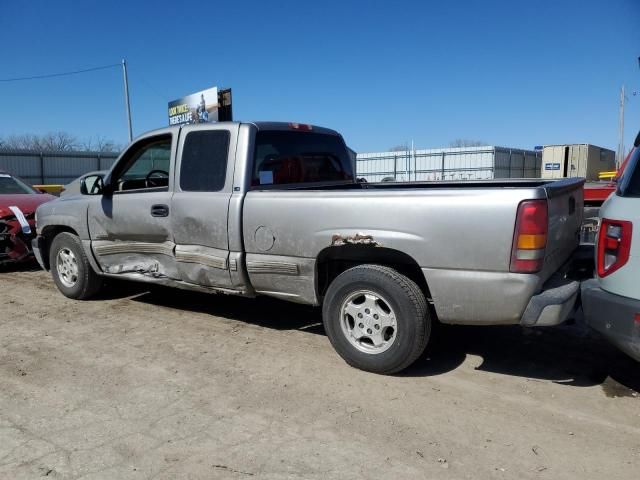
x=614, y=245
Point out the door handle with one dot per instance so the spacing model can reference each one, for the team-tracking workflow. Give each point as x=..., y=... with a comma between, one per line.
x=159, y=210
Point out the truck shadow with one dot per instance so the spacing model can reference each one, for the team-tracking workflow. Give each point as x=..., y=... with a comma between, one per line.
x=570, y=355
x=262, y=311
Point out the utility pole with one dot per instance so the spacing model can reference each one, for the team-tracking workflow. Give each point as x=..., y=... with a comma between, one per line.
x=126, y=97
x=620, y=154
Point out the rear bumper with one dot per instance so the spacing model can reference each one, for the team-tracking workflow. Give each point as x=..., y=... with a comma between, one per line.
x=469, y=297
x=552, y=306
x=498, y=298
x=613, y=316
x=557, y=300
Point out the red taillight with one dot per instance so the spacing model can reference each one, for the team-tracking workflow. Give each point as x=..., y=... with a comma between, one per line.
x=301, y=126
x=614, y=245
x=530, y=237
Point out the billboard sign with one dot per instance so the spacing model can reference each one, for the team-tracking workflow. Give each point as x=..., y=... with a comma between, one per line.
x=199, y=107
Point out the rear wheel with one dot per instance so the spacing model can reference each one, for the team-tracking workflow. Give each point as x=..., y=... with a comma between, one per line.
x=376, y=318
x=70, y=268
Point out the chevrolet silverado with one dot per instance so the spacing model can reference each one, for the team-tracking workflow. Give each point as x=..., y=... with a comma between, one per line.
x=269, y=208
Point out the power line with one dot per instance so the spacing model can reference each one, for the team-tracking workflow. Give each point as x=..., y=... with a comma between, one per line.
x=50, y=75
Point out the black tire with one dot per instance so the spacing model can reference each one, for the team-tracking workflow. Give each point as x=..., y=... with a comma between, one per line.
x=406, y=300
x=88, y=282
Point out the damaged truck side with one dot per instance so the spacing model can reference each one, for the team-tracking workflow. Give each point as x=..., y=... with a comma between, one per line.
x=274, y=209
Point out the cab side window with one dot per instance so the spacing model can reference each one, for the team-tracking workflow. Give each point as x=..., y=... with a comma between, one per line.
x=147, y=168
x=204, y=161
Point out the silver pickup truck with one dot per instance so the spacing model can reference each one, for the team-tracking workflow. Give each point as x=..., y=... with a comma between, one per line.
x=274, y=209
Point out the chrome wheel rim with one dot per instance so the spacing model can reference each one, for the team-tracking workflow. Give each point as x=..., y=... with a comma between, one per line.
x=67, y=267
x=368, y=322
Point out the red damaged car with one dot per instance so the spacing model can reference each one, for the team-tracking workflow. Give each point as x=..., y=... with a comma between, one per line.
x=18, y=203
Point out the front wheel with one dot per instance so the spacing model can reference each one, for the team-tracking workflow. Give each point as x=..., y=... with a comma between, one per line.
x=376, y=319
x=70, y=268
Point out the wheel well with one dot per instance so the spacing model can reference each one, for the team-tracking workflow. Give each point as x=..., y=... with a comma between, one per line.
x=332, y=261
x=49, y=233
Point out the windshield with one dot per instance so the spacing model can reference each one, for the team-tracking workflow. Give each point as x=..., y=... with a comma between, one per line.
x=629, y=185
x=11, y=185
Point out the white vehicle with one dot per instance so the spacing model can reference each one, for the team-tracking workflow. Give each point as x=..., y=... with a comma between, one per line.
x=611, y=301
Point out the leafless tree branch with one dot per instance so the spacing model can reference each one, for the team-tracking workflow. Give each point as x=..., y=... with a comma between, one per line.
x=57, y=141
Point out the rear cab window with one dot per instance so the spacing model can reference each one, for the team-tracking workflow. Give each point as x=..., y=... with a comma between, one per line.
x=629, y=185
x=290, y=158
x=204, y=161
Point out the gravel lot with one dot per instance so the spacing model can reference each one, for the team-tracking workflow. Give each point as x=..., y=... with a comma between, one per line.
x=169, y=384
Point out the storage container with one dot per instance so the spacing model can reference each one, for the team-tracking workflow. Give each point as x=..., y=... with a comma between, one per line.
x=456, y=163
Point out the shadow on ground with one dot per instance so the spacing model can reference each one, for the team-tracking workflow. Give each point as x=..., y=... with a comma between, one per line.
x=570, y=355
x=29, y=265
x=262, y=311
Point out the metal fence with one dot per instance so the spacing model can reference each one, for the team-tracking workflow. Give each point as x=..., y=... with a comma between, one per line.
x=459, y=163
x=466, y=163
x=50, y=167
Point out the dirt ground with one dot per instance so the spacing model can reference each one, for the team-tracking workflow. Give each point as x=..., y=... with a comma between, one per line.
x=168, y=384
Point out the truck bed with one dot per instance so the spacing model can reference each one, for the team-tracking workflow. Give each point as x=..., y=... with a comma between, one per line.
x=460, y=234
x=552, y=187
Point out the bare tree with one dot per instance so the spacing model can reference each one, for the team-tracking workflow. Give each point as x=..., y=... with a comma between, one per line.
x=57, y=141
x=60, y=141
x=16, y=142
x=465, y=142
x=100, y=144
x=400, y=148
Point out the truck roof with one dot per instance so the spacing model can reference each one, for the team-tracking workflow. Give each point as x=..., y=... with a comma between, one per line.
x=260, y=125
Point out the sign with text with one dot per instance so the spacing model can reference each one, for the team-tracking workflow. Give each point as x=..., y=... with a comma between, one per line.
x=199, y=107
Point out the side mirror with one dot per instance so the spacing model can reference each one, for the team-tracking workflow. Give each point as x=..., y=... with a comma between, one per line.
x=92, y=185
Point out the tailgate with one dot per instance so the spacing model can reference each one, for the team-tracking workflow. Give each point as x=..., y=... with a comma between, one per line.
x=565, y=201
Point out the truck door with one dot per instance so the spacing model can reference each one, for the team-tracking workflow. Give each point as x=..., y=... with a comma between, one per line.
x=129, y=224
x=200, y=204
